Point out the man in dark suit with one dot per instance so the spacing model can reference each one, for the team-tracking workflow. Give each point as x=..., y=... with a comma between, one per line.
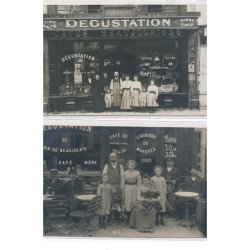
x=172, y=173
x=193, y=183
x=54, y=183
x=173, y=178
x=97, y=90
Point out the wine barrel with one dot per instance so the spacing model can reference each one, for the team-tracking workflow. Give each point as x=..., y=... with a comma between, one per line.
x=201, y=216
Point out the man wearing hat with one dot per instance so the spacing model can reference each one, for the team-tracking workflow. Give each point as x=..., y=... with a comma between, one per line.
x=172, y=173
x=193, y=183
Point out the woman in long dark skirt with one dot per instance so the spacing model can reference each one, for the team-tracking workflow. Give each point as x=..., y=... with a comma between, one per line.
x=97, y=90
x=143, y=214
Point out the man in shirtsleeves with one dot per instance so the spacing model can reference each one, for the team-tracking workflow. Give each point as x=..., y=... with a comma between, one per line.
x=115, y=87
x=115, y=173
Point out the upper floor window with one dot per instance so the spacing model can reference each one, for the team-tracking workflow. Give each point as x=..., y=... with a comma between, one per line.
x=154, y=8
x=94, y=8
x=63, y=9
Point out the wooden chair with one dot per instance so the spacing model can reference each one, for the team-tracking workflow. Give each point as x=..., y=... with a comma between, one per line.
x=70, y=105
x=168, y=102
x=88, y=219
x=195, y=101
x=55, y=206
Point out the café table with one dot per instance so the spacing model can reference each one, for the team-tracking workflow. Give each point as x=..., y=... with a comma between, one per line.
x=85, y=197
x=186, y=196
x=86, y=219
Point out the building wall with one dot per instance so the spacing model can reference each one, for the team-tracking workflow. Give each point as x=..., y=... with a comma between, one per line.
x=202, y=55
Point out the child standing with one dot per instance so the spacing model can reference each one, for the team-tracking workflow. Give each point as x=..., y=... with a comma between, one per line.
x=143, y=97
x=159, y=183
x=108, y=98
x=152, y=94
x=104, y=190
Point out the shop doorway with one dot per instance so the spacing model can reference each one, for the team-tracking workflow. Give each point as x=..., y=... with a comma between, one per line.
x=121, y=61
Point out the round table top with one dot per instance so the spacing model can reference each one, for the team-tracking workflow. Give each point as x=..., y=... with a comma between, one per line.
x=85, y=197
x=185, y=194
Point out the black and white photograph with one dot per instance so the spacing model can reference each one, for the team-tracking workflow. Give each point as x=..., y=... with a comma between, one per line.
x=125, y=60
x=129, y=182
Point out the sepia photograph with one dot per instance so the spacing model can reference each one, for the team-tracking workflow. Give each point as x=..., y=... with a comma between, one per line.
x=125, y=60
x=128, y=182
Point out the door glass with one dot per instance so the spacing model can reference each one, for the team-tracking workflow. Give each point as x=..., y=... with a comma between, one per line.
x=145, y=148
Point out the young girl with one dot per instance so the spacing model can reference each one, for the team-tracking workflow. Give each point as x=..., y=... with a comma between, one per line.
x=104, y=190
x=136, y=90
x=108, y=98
x=143, y=97
x=152, y=94
x=159, y=183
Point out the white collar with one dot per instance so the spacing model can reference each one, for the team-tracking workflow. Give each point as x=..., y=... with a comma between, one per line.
x=193, y=178
x=169, y=168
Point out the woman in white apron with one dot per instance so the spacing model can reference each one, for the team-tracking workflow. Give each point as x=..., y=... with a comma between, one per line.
x=126, y=93
x=115, y=87
x=136, y=90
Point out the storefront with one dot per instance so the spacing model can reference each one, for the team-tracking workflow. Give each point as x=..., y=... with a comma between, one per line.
x=154, y=45
x=87, y=149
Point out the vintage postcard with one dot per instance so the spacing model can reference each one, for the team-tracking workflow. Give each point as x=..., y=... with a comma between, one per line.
x=125, y=60
x=130, y=182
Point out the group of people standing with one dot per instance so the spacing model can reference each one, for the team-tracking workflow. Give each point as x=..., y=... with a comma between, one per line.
x=140, y=196
x=122, y=94
x=144, y=199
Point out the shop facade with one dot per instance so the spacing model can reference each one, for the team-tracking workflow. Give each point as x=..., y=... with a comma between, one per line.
x=85, y=150
x=159, y=45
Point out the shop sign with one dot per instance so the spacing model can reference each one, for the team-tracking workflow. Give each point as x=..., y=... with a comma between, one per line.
x=82, y=128
x=77, y=55
x=170, y=61
x=146, y=143
x=63, y=150
x=118, y=142
x=63, y=163
x=118, y=12
x=170, y=146
x=119, y=23
x=105, y=33
x=90, y=162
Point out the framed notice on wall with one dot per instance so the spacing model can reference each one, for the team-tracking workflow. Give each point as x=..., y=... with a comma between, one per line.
x=191, y=67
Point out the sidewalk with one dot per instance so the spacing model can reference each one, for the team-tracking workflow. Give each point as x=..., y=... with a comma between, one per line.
x=118, y=229
x=160, y=112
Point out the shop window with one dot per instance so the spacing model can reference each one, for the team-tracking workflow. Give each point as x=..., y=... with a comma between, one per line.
x=145, y=149
x=154, y=8
x=69, y=147
x=94, y=8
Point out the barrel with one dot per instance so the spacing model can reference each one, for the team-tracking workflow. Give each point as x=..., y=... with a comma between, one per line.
x=201, y=216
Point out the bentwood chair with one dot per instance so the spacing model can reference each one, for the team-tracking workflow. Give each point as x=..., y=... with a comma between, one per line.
x=88, y=219
x=168, y=102
x=55, y=206
x=70, y=105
